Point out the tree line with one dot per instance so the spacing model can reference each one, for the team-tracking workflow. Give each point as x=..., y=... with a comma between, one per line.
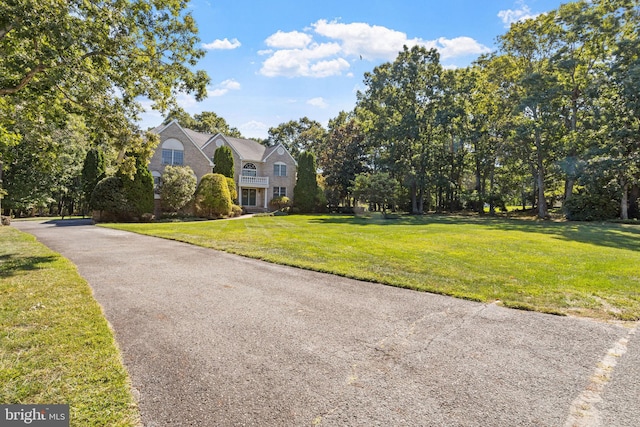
x=549, y=120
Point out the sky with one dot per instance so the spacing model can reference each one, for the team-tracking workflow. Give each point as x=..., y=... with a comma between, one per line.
x=279, y=60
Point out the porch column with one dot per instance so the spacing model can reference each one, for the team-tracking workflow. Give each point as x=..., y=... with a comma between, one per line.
x=239, y=195
x=266, y=190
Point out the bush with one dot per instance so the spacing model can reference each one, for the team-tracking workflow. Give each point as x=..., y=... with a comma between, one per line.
x=591, y=207
x=108, y=198
x=212, y=198
x=138, y=192
x=236, y=210
x=280, y=203
x=178, y=186
x=232, y=190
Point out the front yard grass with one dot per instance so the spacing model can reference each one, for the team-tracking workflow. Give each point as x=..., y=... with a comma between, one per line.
x=55, y=344
x=580, y=269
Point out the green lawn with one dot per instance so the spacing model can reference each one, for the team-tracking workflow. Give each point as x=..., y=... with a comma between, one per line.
x=55, y=344
x=565, y=268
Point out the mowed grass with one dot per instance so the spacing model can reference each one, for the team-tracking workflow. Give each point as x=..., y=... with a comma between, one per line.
x=55, y=344
x=563, y=268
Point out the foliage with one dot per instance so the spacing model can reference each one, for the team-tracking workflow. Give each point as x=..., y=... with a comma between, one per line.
x=108, y=197
x=593, y=272
x=306, y=190
x=138, y=191
x=223, y=162
x=378, y=189
x=298, y=136
x=280, y=203
x=55, y=345
x=212, y=198
x=178, y=187
x=93, y=170
x=399, y=109
x=97, y=60
x=205, y=122
x=345, y=141
x=233, y=191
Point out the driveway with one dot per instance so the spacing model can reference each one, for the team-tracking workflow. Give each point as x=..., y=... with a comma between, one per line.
x=213, y=339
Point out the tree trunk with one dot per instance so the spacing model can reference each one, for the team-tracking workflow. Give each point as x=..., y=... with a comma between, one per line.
x=624, y=204
x=414, y=201
x=543, y=211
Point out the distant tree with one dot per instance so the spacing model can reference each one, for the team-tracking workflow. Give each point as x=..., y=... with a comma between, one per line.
x=345, y=141
x=223, y=161
x=178, y=187
x=206, y=122
x=212, y=198
x=93, y=170
x=378, y=189
x=298, y=136
x=306, y=190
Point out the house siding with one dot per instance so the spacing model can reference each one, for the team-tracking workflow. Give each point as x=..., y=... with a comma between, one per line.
x=193, y=156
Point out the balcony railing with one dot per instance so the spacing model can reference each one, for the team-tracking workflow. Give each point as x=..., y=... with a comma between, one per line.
x=254, y=181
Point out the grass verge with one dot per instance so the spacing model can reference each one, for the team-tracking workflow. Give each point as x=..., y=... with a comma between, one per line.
x=55, y=344
x=560, y=268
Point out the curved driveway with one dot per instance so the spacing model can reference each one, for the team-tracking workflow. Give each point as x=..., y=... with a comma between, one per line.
x=213, y=339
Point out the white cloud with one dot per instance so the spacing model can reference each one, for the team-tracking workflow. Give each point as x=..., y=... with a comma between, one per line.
x=296, y=54
x=290, y=40
x=368, y=41
x=459, y=46
x=223, y=88
x=225, y=44
x=254, y=129
x=318, y=102
x=510, y=16
x=305, y=62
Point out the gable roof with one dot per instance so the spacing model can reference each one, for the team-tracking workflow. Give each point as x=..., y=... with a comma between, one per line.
x=196, y=138
x=246, y=149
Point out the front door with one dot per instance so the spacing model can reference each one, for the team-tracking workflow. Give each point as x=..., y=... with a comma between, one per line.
x=248, y=197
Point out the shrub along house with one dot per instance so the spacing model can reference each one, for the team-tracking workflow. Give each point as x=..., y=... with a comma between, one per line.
x=261, y=173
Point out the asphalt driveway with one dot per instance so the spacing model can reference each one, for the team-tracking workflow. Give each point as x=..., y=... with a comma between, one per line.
x=213, y=339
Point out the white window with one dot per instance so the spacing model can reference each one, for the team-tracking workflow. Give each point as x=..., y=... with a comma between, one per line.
x=249, y=169
x=279, y=191
x=280, y=169
x=172, y=152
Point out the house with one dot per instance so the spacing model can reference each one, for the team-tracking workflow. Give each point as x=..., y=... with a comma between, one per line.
x=261, y=173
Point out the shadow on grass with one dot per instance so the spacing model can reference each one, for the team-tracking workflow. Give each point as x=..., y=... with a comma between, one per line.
x=612, y=235
x=11, y=264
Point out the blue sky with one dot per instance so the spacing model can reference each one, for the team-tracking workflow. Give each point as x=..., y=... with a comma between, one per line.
x=280, y=60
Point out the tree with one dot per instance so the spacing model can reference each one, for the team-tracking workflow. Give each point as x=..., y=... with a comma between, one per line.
x=109, y=199
x=298, y=136
x=306, y=190
x=138, y=190
x=378, y=189
x=399, y=110
x=178, y=186
x=93, y=171
x=205, y=122
x=346, y=140
x=212, y=199
x=223, y=162
x=97, y=59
